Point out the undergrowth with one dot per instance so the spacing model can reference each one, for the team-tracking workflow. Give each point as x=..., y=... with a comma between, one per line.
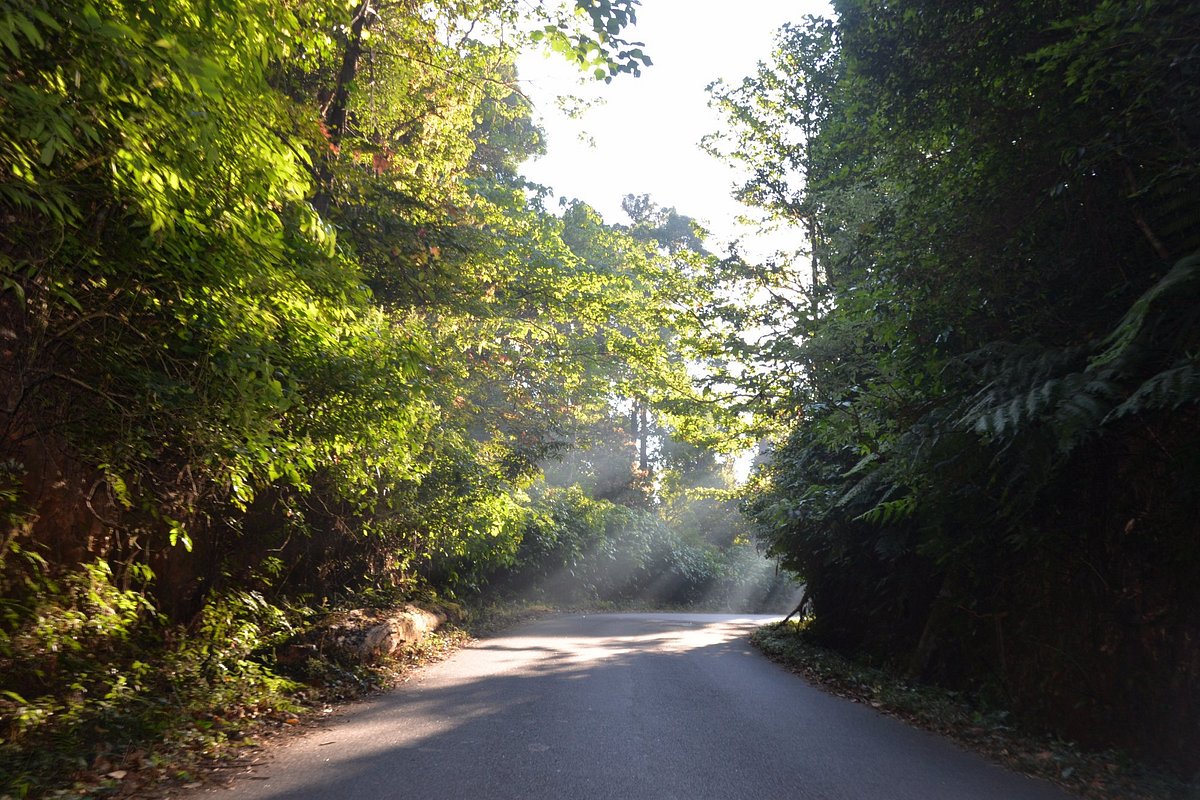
x=1103, y=776
x=100, y=696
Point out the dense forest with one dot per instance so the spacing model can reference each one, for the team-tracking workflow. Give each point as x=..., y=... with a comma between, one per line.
x=990, y=470
x=283, y=329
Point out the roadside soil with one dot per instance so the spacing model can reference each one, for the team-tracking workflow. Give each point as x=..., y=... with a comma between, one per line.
x=1098, y=776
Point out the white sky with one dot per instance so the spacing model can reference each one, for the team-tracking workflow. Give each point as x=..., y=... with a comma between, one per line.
x=648, y=130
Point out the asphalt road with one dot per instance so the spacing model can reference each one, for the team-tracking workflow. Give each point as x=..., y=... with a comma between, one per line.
x=623, y=706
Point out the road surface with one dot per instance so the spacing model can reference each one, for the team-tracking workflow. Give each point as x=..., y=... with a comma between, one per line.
x=622, y=706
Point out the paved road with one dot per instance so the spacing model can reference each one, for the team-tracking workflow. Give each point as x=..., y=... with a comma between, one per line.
x=623, y=706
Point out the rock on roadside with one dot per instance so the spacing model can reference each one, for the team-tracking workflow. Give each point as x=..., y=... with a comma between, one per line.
x=366, y=635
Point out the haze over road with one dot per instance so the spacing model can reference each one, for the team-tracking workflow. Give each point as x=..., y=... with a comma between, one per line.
x=624, y=706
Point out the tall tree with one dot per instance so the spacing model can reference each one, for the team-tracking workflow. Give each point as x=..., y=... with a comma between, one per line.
x=996, y=197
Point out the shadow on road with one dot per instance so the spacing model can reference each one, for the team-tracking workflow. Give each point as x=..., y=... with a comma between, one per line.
x=623, y=706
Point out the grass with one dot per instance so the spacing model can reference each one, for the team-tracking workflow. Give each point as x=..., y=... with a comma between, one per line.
x=1101, y=776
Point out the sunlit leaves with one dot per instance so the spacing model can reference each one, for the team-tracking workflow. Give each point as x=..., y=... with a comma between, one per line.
x=201, y=294
x=596, y=45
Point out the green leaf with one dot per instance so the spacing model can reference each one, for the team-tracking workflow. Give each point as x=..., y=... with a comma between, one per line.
x=29, y=29
x=7, y=38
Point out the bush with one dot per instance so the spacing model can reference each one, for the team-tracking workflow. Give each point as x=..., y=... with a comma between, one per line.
x=91, y=672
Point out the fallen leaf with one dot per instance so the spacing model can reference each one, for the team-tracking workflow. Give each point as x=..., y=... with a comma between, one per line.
x=116, y=774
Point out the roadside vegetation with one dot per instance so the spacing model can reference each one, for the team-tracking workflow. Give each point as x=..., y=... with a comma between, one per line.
x=284, y=333
x=986, y=465
x=974, y=721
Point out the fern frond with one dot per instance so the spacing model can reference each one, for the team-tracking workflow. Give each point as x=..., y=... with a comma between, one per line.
x=890, y=511
x=1170, y=388
x=1183, y=280
x=869, y=483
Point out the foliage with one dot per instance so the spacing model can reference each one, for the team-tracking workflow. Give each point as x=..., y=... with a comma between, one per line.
x=280, y=323
x=91, y=674
x=984, y=396
x=601, y=50
x=242, y=246
x=580, y=550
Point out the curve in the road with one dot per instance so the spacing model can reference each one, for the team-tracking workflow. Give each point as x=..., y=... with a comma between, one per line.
x=624, y=706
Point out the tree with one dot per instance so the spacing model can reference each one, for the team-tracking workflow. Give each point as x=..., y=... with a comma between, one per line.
x=201, y=333
x=994, y=199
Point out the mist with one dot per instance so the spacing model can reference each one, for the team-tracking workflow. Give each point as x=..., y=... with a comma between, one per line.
x=618, y=520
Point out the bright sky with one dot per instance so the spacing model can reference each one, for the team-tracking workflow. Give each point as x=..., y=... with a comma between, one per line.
x=647, y=132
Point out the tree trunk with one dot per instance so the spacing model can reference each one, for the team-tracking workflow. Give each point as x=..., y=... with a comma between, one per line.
x=643, y=438
x=334, y=112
